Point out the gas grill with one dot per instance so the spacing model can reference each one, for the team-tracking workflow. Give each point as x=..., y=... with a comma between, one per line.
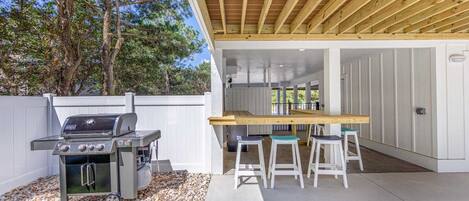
x=102, y=155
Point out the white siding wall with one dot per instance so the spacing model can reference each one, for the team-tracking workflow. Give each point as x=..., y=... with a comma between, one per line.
x=388, y=86
x=256, y=100
x=22, y=119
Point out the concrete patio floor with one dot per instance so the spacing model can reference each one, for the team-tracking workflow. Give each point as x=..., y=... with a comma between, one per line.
x=421, y=186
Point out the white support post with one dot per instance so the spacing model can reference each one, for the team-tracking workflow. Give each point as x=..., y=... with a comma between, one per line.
x=295, y=96
x=278, y=100
x=216, y=138
x=129, y=102
x=308, y=95
x=284, y=99
x=50, y=129
x=332, y=86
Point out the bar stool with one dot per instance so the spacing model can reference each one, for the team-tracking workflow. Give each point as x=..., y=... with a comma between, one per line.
x=291, y=169
x=348, y=154
x=250, y=169
x=327, y=168
x=318, y=128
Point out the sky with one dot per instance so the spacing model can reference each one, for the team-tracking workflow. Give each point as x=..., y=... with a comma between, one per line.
x=205, y=54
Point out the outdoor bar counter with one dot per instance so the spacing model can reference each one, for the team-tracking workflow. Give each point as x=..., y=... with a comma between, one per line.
x=297, y=117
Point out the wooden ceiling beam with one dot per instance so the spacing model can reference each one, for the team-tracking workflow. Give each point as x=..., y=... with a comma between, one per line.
x=345, y=12
x=445, y=22
x=288, y=37
x=325, y=12
x=461, y=29
x=404, y=14
x=366, y=11
x=390, y=10
x=222, y=13
x=263, y=15
x=435, y=10
x=438, y=18
x=307, y=9
x=282, y=17
x=453, y=26
x=243, y=15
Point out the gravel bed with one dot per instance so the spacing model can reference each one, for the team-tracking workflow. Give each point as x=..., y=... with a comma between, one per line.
x=176, y=185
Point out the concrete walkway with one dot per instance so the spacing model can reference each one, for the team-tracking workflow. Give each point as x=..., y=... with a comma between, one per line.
x=423, y=186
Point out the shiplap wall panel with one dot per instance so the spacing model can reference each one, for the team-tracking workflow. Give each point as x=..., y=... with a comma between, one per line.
x=256, y=100
x=455, y=101
x=376, y=98
x=422, y=98
x=404, y=110
x=391, y=86
x=23, y=119
x=388, y=99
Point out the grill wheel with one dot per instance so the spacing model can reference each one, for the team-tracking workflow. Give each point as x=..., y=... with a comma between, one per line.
x=113, y=197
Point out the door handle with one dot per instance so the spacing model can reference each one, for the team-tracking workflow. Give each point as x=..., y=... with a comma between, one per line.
x=81, y=174
x=91, y=166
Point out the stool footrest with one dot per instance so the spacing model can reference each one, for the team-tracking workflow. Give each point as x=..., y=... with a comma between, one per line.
x=329, y=172
x=286, y=172
x=249, y=173
x=249, y=166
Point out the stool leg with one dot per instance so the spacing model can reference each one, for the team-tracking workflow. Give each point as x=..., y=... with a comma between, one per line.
x=293, y=157
x=311, y=157
x=310, y=126
x=346, y=147
x=344, y=168
x=270, y=159
x=261, y=162
x=335, y=161
x=298, y=161
x=238, y=156
x=316, y=165
x=272, y=182
x=358, y=152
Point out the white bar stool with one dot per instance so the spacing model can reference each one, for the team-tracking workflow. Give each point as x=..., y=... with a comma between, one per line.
x=318, y=129
x=348, y=154
x=287, y=169
x=327, y=168
x=250, y=169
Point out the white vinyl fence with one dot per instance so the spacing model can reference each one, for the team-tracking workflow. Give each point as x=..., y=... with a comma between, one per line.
x=184, y=142
x=22, y=119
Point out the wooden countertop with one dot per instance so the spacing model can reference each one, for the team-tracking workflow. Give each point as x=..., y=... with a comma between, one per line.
x=298, y=117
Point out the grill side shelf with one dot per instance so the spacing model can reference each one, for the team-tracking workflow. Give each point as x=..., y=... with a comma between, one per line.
x=46, y=143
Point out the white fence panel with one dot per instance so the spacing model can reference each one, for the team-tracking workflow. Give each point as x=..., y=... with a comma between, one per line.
x=22, y=120
x=182, y=122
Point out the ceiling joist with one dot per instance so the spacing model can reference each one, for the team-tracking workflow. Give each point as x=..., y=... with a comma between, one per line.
x=461, y=29
x=454, y=26
x=288, y=37
x=222, y=13
x=404, y=14
x=243, y=15
x=263, y=15
x=287, y=9
x=365, y=12
x=437, y=9
x=445, y=22
x=342, y=14
x=325, y=12
x=390, y=10
x=307, y=9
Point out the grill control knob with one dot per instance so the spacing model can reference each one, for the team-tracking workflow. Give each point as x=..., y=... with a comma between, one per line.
x=91, y=147
x=64, y=148
x=82, y=147
x=100, y=147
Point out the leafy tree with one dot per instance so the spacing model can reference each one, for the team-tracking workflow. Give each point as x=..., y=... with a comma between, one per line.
x=59, y=47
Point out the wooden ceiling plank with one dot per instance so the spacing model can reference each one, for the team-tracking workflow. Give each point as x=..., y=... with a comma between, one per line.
x=243, y=15
x=282, y=17
x=366, y=11
x=345, y=12
x=461, y=29
x=404, y=14
x=325, y=12
x=307, y=9
x=263, y=15
x=390, y=10
x=435, y=10
x=438, y=18
x=445, y=22
x=288, y=37
x=453, y=26
x=222, y=13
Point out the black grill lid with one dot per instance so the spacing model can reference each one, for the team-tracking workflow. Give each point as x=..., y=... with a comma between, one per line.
x=81, y=124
